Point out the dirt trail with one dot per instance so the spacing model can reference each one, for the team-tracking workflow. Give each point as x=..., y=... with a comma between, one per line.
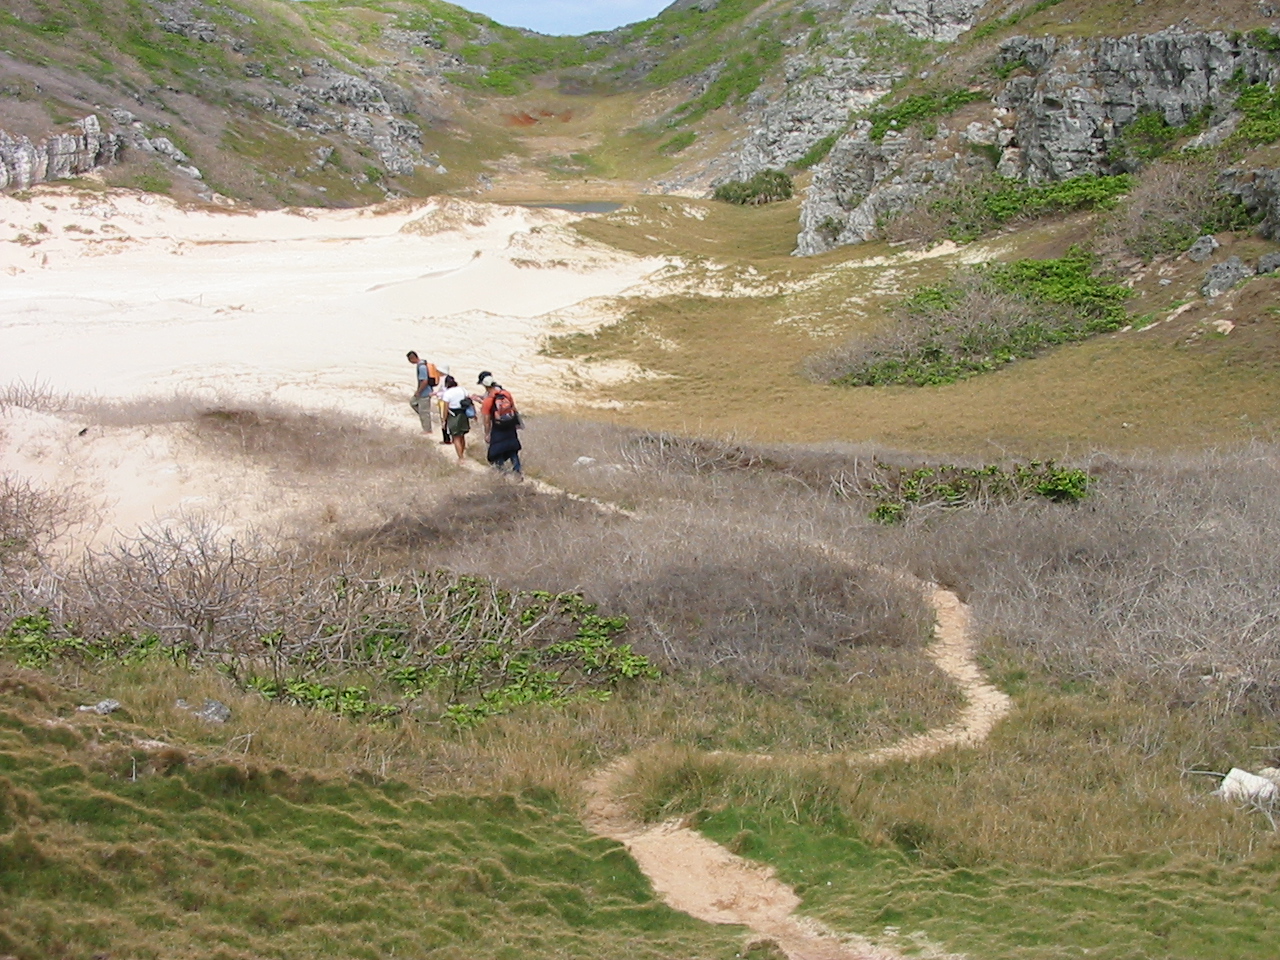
x=696, y=876
x=701, y=878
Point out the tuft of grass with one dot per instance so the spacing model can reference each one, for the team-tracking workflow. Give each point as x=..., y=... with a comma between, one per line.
x=680, y=142
x=816, y=153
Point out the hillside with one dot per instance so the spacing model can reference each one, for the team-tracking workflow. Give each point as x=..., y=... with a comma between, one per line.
x=891, y=571
x=340, y=103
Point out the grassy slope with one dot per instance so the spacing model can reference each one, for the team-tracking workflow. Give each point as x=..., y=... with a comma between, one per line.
x=1074, y=832
x=1177, y=385
x=108, y=843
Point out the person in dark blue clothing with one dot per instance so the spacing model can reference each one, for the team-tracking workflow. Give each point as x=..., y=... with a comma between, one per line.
x=501, y=425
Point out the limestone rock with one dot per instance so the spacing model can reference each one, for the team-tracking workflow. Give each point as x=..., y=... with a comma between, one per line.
x=1242, y=787
x=211, y=711
x=1082, y=94
x=59, y=156
x=1203, y=248
x=934, y=19
x=1225, y=275
x=101, y=708
x=1269, y=263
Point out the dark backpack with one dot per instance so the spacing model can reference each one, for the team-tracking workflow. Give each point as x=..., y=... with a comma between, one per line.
x=503, y=413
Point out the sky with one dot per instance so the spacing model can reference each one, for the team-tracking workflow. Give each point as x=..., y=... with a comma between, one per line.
x=565, y=16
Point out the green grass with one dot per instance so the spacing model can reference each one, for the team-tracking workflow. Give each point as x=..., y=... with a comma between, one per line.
x=1167, y=907
x=975, y=210
x=997, y=24
x=109, y=846
x=1074, y=832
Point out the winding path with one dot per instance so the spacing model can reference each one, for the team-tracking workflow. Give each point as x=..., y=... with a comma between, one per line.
x=701, y=878
x=696, y=876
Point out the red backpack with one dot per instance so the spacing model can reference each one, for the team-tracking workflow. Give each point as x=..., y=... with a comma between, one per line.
x=503, y=413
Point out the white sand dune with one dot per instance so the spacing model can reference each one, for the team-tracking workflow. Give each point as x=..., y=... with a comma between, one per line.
x=119, y=295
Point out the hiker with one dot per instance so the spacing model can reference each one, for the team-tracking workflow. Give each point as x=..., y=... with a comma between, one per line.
x=501, y=425
x=457, y=401
x=421, y=399
x=437, y=396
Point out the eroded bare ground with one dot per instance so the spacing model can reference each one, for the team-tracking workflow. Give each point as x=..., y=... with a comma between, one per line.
x=701, y=878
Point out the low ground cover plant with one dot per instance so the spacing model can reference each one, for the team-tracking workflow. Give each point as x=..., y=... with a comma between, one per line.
x=965, y=209
x=340, y=637
x=992, y=315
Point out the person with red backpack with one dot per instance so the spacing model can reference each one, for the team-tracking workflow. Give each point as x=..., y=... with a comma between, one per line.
x=501, y=424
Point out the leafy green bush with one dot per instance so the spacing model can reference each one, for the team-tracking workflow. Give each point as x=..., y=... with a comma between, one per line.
x=919, y=108
x=1150, y=136
x=1260, y=105
x=897, y=490
x=965, y=210
x=766, y=186
x=1263, y=39
x=993, y=315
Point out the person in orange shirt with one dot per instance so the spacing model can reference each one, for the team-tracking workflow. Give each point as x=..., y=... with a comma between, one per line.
x=501, y=425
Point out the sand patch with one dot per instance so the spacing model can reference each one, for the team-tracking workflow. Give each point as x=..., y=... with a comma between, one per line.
x=122, y=294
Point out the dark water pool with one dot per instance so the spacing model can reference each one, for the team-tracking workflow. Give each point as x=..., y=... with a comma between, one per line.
x=577, y=206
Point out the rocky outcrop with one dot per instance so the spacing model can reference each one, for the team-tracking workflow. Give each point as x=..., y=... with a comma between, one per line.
x=1060, y=114
x=58, y=157
x=934, y=19
x=812, y=105
x=1225, y=275
x=1075, y=98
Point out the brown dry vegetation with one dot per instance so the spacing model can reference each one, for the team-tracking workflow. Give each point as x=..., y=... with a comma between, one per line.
x=1136, y=632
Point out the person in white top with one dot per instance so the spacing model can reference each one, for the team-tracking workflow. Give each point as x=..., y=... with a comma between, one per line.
x=456, y=400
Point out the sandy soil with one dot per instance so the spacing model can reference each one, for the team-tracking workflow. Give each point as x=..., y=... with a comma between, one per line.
x=118, y=294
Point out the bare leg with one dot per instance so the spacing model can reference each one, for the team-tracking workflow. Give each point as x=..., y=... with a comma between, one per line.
x=460, y=444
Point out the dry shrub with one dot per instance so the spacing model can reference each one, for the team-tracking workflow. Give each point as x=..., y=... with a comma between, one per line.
x=930, y=219
x=31, y=395
x=493, y=509
x=31, y=521
x=1170, y=205
x=1167, y=571
x=978, y=324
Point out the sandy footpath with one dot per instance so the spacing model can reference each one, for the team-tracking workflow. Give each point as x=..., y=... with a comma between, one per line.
x=120, y=294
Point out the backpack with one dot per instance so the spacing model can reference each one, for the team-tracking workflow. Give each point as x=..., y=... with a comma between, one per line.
x=467, y=406
x=503, y=413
